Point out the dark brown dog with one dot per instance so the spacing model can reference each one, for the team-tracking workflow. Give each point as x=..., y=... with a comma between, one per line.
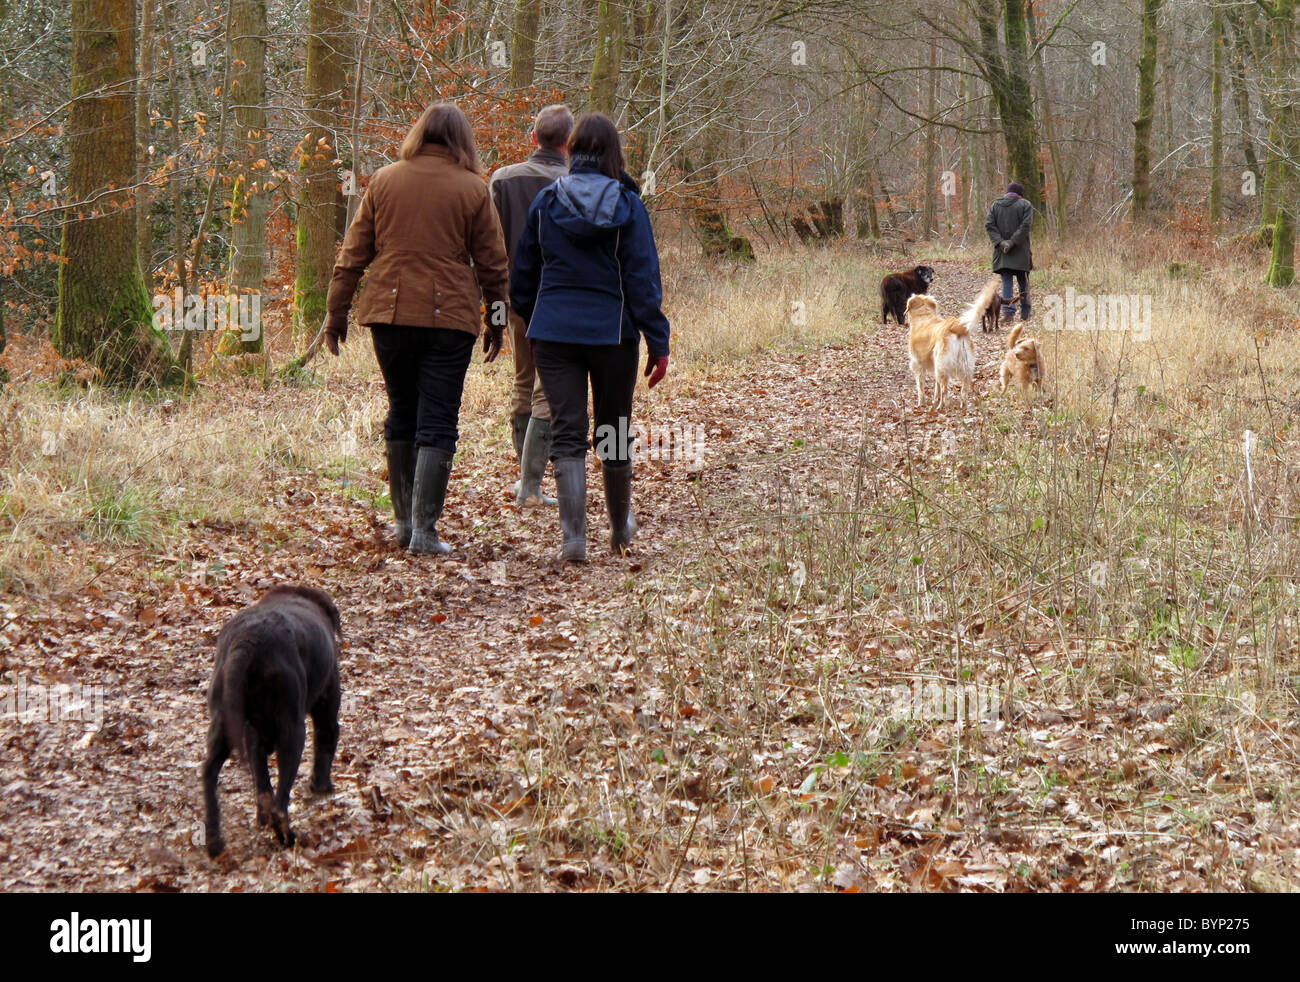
x=277, y=661
x=897, y=287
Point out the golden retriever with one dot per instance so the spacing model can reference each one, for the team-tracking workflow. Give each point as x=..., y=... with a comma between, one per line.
x=943, y=345
x=1022, y=362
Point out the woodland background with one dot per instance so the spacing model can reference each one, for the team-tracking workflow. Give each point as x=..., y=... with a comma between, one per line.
x=221, y=147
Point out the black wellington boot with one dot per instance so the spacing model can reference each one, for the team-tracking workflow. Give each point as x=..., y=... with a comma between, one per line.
x=432, y=472
x=401, y=483
x=532, y=464
x=571, y=488
x=618, y=500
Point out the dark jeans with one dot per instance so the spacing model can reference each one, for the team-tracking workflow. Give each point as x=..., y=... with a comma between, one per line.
x=565, y=370
x=424, y=372
x=1022, y=282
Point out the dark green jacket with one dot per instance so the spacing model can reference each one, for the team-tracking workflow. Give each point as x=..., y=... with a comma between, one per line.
x=1010, y=218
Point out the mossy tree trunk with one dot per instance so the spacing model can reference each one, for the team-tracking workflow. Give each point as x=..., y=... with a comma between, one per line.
x=320, y=201
x=523, y=45
x=104, y=311
x=248, y=205
x=1146, y=108
x=1282, y=32
x=1008, y=77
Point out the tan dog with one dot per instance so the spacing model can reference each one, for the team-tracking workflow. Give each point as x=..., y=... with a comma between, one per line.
x=943, y=345
x=1022, y=362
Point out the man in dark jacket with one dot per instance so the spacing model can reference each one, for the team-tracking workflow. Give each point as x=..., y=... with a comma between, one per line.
x=513, y=189
x=1008, y=225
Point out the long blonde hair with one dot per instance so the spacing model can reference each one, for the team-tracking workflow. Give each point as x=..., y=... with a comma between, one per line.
x=444, y=124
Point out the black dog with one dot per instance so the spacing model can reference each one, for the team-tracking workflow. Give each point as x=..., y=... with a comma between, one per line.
x=897, y=287
x=277, y=661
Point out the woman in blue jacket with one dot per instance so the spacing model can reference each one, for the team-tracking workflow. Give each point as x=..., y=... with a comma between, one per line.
x=586, y=281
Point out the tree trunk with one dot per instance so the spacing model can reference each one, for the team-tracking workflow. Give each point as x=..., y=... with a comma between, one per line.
x=1009, y=79
x=1216, y=117
x=931, y=144
x=608, y=59
x=1059, y=182
x=1282, y=31
x=1241, y=95
x=4, y=11
x=523, y=46
x=1146, y=109
x=104, y=312
x=248, y=201
x=143, y=138
x=320, y=201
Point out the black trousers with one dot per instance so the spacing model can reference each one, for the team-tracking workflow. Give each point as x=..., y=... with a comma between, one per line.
x=424, y=372
x=565, y=370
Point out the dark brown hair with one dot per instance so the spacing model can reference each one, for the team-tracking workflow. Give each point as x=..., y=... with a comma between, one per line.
x=553, y=126
x=595, y=138
x=444, y=124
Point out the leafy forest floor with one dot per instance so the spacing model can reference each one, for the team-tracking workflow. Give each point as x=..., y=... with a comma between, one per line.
x=733, y=706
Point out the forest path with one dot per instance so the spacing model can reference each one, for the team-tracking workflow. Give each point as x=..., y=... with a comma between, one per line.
x=448, y=666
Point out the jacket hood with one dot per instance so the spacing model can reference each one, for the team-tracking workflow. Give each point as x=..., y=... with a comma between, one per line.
x=1007, y=201
x=587, y=203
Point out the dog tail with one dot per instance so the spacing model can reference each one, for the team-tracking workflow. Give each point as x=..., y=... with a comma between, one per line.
x=1014, y=336
x=975, y=310
x=240, y=663
x=957, y=360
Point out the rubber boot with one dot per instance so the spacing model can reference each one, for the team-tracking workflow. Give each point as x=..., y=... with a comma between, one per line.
x=432, y=472
x=571, y=487
x=401, y=482
x=532, y=464
x=518, y=433
x=618, y=501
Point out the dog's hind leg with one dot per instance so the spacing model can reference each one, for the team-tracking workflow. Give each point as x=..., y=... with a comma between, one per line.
x=218, y=752
x=257, y=767
x=288, y=755
x=325, y=736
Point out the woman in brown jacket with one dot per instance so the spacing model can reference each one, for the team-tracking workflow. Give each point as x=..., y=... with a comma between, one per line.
x=428, y=233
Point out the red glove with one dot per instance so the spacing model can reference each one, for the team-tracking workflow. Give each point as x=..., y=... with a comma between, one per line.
x=656, y=369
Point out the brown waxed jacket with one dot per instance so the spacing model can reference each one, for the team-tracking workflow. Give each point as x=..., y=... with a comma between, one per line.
x=429, y=237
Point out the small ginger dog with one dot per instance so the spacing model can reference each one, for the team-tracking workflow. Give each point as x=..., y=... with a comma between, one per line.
x=943, y=345
x=1022, y=362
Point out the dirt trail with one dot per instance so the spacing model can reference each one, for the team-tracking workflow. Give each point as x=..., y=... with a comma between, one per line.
x=445, y=666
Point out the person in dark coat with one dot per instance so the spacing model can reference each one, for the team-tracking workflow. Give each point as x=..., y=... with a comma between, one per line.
x=427, y=238
x=514, y=187
x=586, y=280
x=1008, y=225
